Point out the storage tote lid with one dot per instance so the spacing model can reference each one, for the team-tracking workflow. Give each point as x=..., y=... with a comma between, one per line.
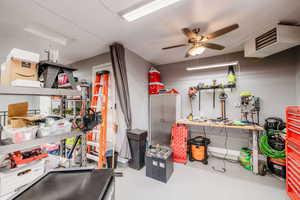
x=26, y=56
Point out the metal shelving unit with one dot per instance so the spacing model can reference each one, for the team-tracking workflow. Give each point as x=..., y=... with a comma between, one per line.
x=5, y=149
x=38, y=91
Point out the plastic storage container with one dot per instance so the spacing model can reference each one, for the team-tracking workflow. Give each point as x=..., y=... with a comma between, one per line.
x=19, y=135
x=137, y=143
x=159, y=165
x=59, y=127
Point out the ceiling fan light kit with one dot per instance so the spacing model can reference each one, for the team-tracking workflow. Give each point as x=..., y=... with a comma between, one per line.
x=194, y=51
x=198, y=42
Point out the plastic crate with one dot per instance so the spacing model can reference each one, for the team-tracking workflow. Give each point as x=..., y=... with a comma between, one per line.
x=293, y=152
x=19, y=135
x=159, y=165
x=60, y=127
x=179, y=143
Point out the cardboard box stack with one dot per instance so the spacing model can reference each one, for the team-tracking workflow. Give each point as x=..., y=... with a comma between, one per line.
x=20, y=69
x=18, y=115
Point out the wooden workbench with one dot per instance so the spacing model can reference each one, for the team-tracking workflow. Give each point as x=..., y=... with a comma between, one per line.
x=253, y=128
x=211, y=124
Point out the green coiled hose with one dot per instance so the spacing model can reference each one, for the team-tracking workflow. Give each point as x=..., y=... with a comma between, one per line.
x=267, y=150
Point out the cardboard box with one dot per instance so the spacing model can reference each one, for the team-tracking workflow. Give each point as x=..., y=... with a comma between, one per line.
x=18, y=117
x=20, y=65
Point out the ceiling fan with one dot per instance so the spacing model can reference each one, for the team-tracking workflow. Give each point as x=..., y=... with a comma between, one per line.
x=198, y=42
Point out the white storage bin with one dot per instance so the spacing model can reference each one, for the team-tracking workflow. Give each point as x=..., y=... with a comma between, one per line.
x=12, y=179
x=19, y=135
x=59, y=127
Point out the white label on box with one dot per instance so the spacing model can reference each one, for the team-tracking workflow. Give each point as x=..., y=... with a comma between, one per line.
x=154, y=163
x=162, y=165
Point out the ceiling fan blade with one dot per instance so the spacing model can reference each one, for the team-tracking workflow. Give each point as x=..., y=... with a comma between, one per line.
x=188, y=33
x=175, y=46
x=213, y=46
x=221, y=32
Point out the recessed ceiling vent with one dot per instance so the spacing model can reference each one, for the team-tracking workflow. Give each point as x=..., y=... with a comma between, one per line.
x=266, y=39
x=280, y=38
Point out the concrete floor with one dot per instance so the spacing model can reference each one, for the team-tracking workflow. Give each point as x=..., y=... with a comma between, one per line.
x=197, y=181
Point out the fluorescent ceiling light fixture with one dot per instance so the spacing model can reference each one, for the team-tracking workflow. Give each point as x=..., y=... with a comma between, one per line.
x=213, y=66
x=147, y=8
x=47, y=34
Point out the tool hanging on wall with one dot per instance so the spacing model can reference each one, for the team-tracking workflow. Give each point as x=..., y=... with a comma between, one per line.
x=214, y=93
x=100, y=103
x=192, y=94
x=250, y=105
x=231, y=77
x=223, y=97
x=199, y=86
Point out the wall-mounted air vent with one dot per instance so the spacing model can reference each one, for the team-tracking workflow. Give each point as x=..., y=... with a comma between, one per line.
x=277, y=39
x=266, y=39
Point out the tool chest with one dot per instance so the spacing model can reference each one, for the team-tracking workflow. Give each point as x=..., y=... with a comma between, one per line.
x=293, y=152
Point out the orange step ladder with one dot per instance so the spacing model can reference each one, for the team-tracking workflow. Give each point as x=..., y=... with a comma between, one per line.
x=99, y=103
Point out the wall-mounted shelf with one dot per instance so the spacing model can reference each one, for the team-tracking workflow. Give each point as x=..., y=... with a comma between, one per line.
x=218, y=87
x=5, y=149
x=38, y=91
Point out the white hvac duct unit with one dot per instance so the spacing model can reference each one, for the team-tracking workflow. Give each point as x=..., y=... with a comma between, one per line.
x=280, y=38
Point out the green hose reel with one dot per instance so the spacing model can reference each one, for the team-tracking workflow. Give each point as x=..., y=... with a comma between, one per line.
x=267, y=150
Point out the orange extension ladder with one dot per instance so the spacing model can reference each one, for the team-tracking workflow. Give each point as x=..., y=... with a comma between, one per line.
x=100, y=89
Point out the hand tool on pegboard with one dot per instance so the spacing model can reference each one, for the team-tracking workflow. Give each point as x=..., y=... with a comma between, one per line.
x=214, y=93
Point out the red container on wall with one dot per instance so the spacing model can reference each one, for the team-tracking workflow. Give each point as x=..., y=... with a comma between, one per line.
x=154, y=76
x=155, y=87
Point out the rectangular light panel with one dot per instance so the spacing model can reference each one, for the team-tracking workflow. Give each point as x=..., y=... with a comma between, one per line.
x=147, y=9
x=212, y=66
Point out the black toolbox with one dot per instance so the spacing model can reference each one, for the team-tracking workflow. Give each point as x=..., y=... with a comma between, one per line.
x=137, y=142
x=159, y=163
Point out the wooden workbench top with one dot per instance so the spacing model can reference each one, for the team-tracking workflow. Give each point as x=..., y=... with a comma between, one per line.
x=212, y=124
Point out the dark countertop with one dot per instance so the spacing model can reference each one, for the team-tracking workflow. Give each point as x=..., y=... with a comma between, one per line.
x=88, y=184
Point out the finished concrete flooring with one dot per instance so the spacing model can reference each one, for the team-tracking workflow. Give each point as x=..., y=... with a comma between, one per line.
x=197, y=181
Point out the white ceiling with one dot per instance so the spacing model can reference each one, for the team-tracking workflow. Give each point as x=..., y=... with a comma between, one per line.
x=91, y=25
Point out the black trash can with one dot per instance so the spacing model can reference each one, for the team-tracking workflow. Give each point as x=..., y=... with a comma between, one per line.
x=137, y=142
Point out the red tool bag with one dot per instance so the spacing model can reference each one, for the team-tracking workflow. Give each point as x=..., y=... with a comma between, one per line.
x=179, y=143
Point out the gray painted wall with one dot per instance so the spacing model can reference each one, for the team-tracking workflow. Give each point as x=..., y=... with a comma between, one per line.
x=272, y=79
x=137, y=70
x=85, y=66
x=5, y=100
